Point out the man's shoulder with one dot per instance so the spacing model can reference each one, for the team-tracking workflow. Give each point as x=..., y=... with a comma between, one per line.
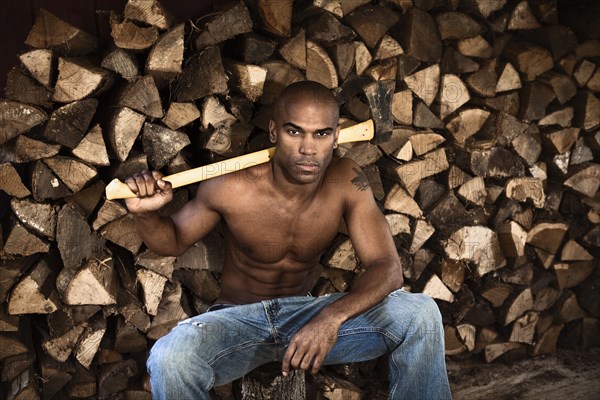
x=349, y=175
x=233, y=184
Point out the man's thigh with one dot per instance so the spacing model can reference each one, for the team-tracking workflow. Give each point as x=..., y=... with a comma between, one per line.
x=233, y=341
x=377, y=331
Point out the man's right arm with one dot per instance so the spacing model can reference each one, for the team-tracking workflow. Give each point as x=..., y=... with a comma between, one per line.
x=168, y=236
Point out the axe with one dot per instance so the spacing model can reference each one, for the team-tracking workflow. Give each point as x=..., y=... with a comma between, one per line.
x=119, y=190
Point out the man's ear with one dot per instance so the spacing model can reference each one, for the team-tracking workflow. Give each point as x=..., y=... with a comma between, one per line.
x=272, y=131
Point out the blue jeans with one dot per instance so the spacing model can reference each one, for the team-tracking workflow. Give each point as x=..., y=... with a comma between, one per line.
x=220, y=346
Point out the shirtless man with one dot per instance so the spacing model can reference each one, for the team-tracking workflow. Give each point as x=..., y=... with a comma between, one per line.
x=277, y=219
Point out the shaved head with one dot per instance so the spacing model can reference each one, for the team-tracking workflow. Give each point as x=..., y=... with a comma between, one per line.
x=306, y=92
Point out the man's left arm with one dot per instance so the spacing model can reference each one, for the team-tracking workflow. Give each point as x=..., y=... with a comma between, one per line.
x=374, y=246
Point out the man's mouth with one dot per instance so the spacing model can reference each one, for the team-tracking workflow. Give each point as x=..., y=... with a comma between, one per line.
x=307, y=166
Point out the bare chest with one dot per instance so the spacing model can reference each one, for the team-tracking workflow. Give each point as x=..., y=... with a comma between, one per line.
x=268, y=232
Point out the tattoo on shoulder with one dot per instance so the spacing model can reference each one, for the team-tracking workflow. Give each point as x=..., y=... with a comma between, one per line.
x=360, y=181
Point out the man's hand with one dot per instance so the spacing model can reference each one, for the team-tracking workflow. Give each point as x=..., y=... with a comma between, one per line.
x=311, y=343
x=152, y=192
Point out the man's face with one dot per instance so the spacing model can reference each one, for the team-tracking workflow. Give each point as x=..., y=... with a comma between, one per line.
x=305, y=132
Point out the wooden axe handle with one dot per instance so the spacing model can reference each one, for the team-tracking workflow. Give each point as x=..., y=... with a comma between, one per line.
x=119, y=190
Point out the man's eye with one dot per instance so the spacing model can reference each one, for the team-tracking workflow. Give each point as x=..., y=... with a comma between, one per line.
x=293, y=132
x=323, y=134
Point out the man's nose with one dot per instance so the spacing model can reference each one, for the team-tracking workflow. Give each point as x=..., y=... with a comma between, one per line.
x=308, y=145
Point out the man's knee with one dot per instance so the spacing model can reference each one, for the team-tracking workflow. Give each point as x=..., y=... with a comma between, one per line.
x=419, y=308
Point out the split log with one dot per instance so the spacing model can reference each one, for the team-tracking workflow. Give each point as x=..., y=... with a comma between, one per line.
x=247, y=79
x=388, y=47
x=153, y=285
x=562, y=86
x=130, y=36
x=467, y=123
x=495, y=350
x=162, y=144
x=476, y=46
x=530, y=60
x=587, y=115
x=342, y=256
x=418, y=35
x=92, y=148
x=455, y=63
x=496, y=162
x=94, y=283
x=547, y=342
x=512, y=239
x=293, y=51
x=11, y=182
x=453, y=345
x=60, y=348
x=522, y=17
x=457, y=25
x=276, y=16
x=21, y=242
x=574, y=273
x=45, y=185
x=78, y=78
x=473, y=191
x=523, y=329
x=203, y=75
x=17, y=118
x=69, y=123
x=279, y=75
x=39, y=64
x=423, y=117
x=121, y=62
x=425, y=83
x=150, y=12
x=21, y=88
x=89, y=342
x=477, y=244
x=562, y=117
x=33, y=294
x=509, y=79
x=547, y=236
x=113, y=377
x=72, y=228
x=483, y=82
x=327, y=29
x=583, y=72
x=453, y=94
x=496, y=292
x=362, y=58
x=535, y=98
x=71, y=172
x=319, y=66
x=63, y=38
x=142, y=95
x=170, y=312
x=398, y=200
x=254, y=48
x=123, y=232
x=123, y=129
x=402, y=107
x=40, y=218
x=109, y=211
x=180, y=114
x=516, y=306
x=371, y=23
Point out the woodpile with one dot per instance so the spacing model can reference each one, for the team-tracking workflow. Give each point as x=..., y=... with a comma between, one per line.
x=487, y=117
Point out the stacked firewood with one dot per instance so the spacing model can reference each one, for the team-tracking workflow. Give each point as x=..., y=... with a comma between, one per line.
x=485, y=161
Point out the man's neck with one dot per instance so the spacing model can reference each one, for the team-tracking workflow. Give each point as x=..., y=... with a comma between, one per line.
x=291, y=190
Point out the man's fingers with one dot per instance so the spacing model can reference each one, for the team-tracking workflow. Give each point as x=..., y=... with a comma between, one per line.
x=317, y=364
x=287, y=357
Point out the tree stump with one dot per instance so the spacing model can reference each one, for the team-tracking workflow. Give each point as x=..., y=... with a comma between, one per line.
x=267, y=383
